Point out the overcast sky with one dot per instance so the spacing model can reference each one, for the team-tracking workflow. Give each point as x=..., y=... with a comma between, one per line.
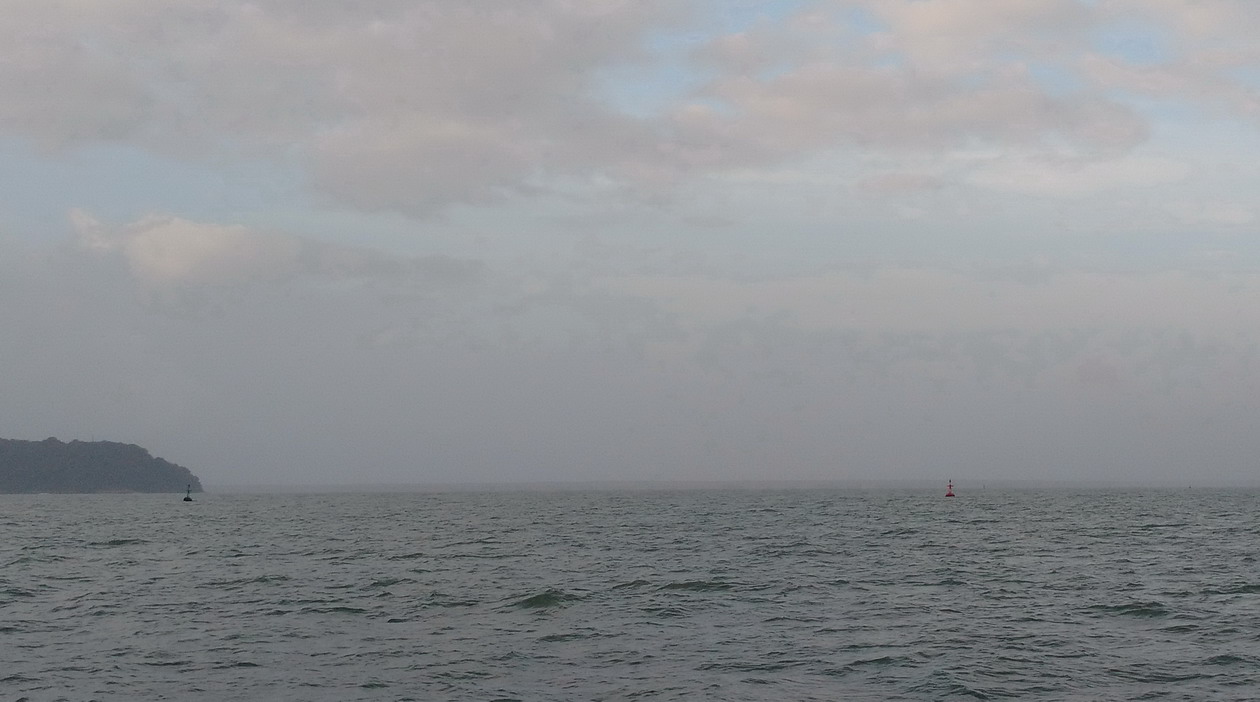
x=305, y=241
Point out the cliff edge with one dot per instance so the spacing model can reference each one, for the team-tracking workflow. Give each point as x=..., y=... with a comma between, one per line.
x=87, y=466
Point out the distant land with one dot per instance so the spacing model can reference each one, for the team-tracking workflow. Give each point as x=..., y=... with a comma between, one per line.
x=87, y=467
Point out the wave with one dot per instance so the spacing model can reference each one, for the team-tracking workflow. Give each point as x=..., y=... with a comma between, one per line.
x=381, y=583
x=441, y=599
x=16, y=592
x=571, y=636
x=242, y=582
x=547, y=599
x=1238, y=589
x=698, y=586
x=408, y=556
x=1150, y=609
x=334, y=610
x=118, y=542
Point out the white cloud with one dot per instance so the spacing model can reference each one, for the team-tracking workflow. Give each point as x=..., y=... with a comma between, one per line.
x=170, y=250
x=163, y=250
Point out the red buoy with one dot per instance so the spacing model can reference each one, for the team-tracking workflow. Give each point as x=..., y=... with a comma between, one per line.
x=949, y=491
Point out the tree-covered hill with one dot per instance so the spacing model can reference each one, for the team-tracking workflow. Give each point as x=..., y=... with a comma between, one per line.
x=87, y=466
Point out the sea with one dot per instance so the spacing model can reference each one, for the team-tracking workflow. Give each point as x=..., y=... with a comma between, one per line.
x=633, y=594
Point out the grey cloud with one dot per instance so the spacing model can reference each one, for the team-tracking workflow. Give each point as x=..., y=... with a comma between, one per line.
x=899, y=183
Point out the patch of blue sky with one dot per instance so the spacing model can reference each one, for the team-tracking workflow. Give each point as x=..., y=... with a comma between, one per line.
x=727, y=16
x=1137, y=44
x=1248, y=76
x=648, y=89
x=667, y=73
x=1055, y=79
x=893, y=61
x=863, y=21
x=1160, y=110
x=858, y=23
x=118, y=184
x=670, y=73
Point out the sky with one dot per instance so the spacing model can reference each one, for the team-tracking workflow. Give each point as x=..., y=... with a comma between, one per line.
x=310, y=242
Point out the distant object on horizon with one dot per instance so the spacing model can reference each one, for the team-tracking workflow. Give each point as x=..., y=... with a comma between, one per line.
x=86, y=467
x=188, y=494
x=949, y=490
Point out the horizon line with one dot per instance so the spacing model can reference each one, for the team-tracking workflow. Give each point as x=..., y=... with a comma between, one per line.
x=965, y=485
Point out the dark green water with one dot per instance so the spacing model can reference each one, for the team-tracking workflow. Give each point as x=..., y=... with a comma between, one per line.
x=690, y=595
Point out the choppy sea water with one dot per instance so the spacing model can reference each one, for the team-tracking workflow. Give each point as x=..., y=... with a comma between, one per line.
x=684, y=595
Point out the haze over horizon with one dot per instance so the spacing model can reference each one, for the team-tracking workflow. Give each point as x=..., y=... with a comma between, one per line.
x=477, y=242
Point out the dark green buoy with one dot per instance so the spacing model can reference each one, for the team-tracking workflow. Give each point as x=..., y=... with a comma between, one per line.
x=188, y=495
